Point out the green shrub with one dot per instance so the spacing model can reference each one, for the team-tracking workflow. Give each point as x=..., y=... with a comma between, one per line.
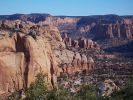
x=124, y=94
x=87, y=92
x=60, y=94
x=37, y=89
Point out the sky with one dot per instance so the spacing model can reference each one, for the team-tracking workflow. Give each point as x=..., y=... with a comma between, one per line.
x=67, y=7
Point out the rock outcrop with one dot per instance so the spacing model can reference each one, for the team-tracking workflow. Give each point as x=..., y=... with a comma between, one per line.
x=114, y=31
x=107, y=87
x=86, y=43
x=34, y=17
x=41, y=58
x=80, y=43
x=71, y=62
x=98, y=27
x=12, y=67
x=23, y=56
x=65, y=24
x=7, y=44
x=19, y=67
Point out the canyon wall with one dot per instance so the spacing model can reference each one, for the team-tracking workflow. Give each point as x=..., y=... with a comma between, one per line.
x=22, y=56
x=106, y=27
x=98, y=27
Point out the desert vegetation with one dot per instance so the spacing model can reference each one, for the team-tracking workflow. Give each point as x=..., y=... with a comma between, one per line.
x=38, y=91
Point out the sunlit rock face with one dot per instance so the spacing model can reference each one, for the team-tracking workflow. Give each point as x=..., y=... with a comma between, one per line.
x=12, y=66
x=82, y=42
x=71, y=62
x=22, y=56
x=98, y=27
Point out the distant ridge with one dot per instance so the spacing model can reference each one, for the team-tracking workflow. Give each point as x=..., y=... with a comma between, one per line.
x=37, y=17
x=33, y=17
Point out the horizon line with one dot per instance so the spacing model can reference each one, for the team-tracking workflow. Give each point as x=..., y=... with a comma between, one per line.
x=66, y=15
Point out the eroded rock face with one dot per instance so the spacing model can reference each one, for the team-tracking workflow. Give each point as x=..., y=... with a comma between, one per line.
x=22, y=57
x=40, y=58
x=71, y=62
x=18, y=70
x=86, y=43
x=7, y=44
x=86, y=25
x=12, y=67
x=80, y=43
x=65, y=24
x=113, y=31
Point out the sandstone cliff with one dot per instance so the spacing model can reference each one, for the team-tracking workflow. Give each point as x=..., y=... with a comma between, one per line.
x=71, y=62
x=22, y=56
x=114, y=31
x=98, y=27
x=82, y=42
x=106, y=27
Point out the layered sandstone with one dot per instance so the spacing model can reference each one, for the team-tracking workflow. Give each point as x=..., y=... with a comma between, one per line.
x=80, y=43
x=71, y=62
x=12, y=67
x=19, y=68
x=99, y=27
x=22, y=56
x=114, y=31
x=64, y=24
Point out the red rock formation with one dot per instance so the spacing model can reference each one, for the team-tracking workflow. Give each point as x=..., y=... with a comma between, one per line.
x=65, y=24
x=38, y=59
x=75, y=43
x=90, y=43
x=12, y=67
x=114, y=31
x=125, y=30
x=7, y=44
x=82, y=42
x=86, y=43
x=71, y=62
x=67, y=40
x=22, y=57
x=106, y=26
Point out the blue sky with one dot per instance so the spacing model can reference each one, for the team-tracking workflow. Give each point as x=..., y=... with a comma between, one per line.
x=67, y=7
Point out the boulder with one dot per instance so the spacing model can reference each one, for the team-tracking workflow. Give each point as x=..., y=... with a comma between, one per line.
x=107, y=87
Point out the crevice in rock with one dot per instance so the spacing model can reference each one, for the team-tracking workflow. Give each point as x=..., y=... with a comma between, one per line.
x=27, y=57
x=19, y=44
x=20, y=47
